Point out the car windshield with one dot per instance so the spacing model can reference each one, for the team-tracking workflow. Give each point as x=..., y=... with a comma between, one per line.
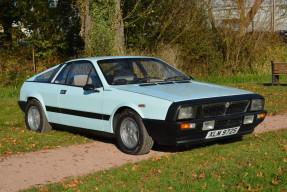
x=138, y=70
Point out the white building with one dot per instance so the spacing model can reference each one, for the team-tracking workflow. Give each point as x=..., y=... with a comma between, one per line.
x=272, y=15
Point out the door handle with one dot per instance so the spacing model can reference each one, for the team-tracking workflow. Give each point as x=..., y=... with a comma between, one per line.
x=63, y=92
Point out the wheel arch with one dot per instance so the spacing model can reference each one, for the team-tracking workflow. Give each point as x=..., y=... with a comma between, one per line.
x=126, y=138
x=39, y=99
x=42, y=124
x=118, y=111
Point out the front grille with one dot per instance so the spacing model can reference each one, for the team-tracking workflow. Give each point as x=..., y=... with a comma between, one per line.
x=224, y=108
x=228, y=123
x=213, y=110
x=237, y=107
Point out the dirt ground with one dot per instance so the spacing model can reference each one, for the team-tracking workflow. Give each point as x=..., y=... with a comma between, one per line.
x=24, y=170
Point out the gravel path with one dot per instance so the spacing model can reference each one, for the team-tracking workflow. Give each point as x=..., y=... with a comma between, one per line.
x=24, y=170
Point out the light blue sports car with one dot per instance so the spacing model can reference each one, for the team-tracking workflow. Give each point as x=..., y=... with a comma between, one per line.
x=137, y=100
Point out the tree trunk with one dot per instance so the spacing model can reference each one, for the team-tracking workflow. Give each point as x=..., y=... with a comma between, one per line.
x=249, y=17
x=86, y=23
x=119, y=29
x=7, y=26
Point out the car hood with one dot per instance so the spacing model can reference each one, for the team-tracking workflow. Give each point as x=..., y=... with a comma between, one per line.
x=183, y=91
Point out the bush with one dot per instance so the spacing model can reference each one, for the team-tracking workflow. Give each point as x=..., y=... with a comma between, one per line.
x=16, y=64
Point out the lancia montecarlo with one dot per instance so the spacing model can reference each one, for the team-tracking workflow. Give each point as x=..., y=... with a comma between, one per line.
x=138, y=101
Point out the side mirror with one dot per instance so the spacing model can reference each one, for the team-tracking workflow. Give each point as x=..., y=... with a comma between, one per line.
x=191, y=77
x=89, y=87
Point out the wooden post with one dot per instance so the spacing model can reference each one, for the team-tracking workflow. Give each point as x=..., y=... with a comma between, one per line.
x=275, y=78
x=33, y=57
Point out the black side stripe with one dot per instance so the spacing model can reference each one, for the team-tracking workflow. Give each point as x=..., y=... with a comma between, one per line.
x=78, y=113
x=53, y=109
x=106, y=117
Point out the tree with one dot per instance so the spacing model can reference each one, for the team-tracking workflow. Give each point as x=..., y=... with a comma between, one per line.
x=119, y=29
x=177, y=29
x=240, y=11
x=50, y=29
x=10, y=13
x=239, y=43
x=246, y=19
x=102, y=27
x=53, y=30
x=86, y=22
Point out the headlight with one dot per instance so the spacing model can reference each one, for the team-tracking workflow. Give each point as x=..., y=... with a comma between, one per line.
x=257, y=105
x=187, y=112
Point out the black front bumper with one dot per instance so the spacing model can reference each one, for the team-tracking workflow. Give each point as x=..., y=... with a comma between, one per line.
x=170, y=133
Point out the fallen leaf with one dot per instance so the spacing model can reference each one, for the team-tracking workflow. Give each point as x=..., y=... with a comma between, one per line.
x=275, y=181
x=166, y=156
x=156, y=159
x=202, y=175
x=135, y=167
x=169, y=188
x=259, y=174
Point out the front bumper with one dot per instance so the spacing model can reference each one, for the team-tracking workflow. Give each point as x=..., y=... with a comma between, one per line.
x=170, y=133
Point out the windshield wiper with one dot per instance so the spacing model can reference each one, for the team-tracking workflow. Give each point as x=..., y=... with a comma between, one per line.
x=143, y=80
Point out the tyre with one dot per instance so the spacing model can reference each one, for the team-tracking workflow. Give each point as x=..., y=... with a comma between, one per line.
x=132, y=135
x=35, y=117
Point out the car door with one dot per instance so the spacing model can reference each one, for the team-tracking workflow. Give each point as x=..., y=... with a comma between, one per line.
x=80, y=108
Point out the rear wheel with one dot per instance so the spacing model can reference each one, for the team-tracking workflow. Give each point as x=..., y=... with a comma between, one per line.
x=132, y=135
x=35, y=117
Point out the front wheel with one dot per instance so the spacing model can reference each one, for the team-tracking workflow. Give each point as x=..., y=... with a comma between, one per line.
x=35, y=118
x=132, y=135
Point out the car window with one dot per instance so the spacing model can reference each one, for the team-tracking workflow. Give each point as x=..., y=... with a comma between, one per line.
x=61, y=79
x=156, y=69
x=79, y=74
x=94, y=78
x=47, y=75
x=138, y=70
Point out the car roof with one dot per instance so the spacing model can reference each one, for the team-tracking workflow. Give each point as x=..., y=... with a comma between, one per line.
x=94, y=59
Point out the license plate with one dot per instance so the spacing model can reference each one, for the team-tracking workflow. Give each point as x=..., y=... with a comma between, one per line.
x=222, y=132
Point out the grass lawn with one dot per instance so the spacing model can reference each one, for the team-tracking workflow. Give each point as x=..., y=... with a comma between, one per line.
x=14, y=138
x=258, y=163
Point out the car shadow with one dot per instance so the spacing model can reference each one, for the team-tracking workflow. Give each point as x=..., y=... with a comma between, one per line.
x=176, y=149
x=156, y=147
x=88, y=134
